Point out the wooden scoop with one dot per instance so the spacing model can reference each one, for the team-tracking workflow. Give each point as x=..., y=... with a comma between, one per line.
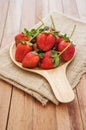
x=56, y=78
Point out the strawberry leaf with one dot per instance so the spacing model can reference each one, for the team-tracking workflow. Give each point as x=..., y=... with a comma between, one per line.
x=27, y=33
x=66, y=38
x=56, y=33
x=56, y=61
x=54, y=53
x=41, y=55
x=41, y=30
x=55, y=58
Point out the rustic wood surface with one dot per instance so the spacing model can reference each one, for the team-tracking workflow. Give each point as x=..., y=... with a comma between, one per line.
x=18, y=110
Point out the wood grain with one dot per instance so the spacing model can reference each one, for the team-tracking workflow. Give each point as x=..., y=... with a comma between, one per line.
x=5, y=94
x=70, y=9
x=75, y=115
x=62, y=117
x=81, y=92
x=81, y=6
x=3, y=5
x=21, y=111
x=5, y=89
x=44, y=118
x=10, y=28
x=28, y=14
x=12, y=22
x=21, y=101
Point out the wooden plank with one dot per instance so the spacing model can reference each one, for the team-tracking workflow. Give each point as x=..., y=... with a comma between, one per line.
x=70, y=8
x=20, y=117
x=68, y=116
x=40, y=113
x=56, y=5
x=5, y=89
x=50, y=117
x=81, y=91
x=75, y=115
x=44, y=118
x=81, y=6
x=62, y=117
x=38, y=10
x=5, y=93
x=22, y=103
x=49, y=6
x=3, y=10
x=28, y=14
x=81, y=88
x=45, y=8
x=71, y=112
x=13, y=22
x=11, y=26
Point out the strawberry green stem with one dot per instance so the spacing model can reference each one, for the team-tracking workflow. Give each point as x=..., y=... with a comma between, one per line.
x=39, y=26
x=37, y=33
x=41, y=20
x=64, y=49
x=72, y=31
x=52, y=22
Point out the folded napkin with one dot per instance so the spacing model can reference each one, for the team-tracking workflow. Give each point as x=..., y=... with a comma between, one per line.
x=36, y=85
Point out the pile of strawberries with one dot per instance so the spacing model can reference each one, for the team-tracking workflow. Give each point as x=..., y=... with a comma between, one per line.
x=43, y=47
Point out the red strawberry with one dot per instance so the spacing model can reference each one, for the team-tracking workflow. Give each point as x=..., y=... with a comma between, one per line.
x=35, y=47
x=48, y=54
x=69, y=52
x=47, y=63
x=50, y=60
x=59, y=39
x=31, y=60
x=21, y=37
x=45, y=41
x=21, y=51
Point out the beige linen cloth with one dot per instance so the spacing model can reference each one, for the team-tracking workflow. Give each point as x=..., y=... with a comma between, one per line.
x=36, y=85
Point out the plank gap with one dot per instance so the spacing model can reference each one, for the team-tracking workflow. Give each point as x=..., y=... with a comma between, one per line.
x=74, y=114
x=79, y=108
x=5, y=23
x=9, y=109
x=77, y=9
x=21, y=16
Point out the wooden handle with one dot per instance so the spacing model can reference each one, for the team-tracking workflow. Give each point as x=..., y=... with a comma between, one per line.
x=60, y=85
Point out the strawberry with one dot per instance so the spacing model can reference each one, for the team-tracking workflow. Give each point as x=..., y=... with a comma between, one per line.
x=59, y=39
x=45, y=41
x=21, y=37
x=47, y=63
x=31, y=60
x=48, y=54
x=21, y=51
x=35, y=47
x=69, y=52
x=50, y=60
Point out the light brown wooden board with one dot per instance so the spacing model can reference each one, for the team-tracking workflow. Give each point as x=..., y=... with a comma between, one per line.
x=70, y=117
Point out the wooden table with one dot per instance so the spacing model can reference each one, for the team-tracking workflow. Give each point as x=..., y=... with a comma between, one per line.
x=18, y=110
